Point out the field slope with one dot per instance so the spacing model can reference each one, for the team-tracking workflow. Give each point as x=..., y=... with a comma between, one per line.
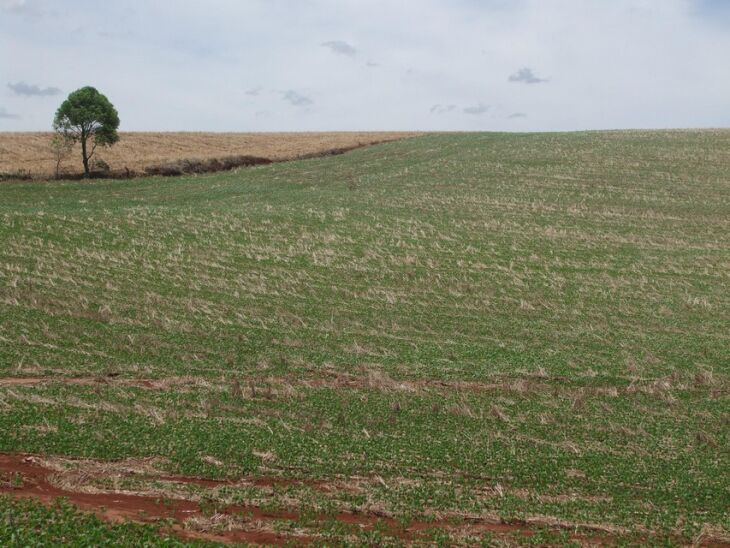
x=509, y=338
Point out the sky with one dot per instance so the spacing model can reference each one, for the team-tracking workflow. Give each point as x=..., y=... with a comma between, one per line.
x=325, y=65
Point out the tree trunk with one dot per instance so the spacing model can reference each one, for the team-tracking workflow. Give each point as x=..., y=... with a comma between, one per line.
x=84, y=156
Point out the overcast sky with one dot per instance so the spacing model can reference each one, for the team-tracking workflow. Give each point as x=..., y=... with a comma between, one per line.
x=290, y=65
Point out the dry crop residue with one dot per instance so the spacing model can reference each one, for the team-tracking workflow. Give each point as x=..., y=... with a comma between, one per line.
x=32, y=153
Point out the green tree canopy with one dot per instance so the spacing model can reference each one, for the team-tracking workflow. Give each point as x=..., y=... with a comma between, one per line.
x=87, y=114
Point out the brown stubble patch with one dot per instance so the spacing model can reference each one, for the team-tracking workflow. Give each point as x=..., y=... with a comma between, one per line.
x=31, y=152
x=84, y=471
x=277, y=387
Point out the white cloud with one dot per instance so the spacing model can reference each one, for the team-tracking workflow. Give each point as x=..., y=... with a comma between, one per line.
x=481, y=108
x=625, y=63
x=442, y=109
x=32, y=90
x=341, y=48
x=526, y=76
x=13, y=5
x=5, y=115
x=297, y=99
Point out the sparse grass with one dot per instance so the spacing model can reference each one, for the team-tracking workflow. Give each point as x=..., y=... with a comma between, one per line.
x=455, y=327
x=25, y=523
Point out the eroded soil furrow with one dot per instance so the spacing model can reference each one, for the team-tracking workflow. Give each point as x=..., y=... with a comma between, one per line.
x=28, y=476
x=21, y=476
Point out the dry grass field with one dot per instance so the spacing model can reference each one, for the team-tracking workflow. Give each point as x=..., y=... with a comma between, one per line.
x=31, y=152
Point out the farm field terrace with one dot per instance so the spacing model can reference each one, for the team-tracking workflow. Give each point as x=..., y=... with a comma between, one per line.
x=465, y=338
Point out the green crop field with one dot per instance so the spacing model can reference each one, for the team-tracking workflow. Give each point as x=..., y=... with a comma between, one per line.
x=462, y=338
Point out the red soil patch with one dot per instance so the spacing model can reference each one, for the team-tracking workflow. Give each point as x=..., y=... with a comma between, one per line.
x=20, y=476
x=24, y=476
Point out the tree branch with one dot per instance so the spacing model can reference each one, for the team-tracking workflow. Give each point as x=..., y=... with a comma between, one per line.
x=93, y=148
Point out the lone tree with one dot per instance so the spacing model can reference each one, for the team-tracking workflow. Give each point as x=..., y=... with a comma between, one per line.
x=87, y=114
